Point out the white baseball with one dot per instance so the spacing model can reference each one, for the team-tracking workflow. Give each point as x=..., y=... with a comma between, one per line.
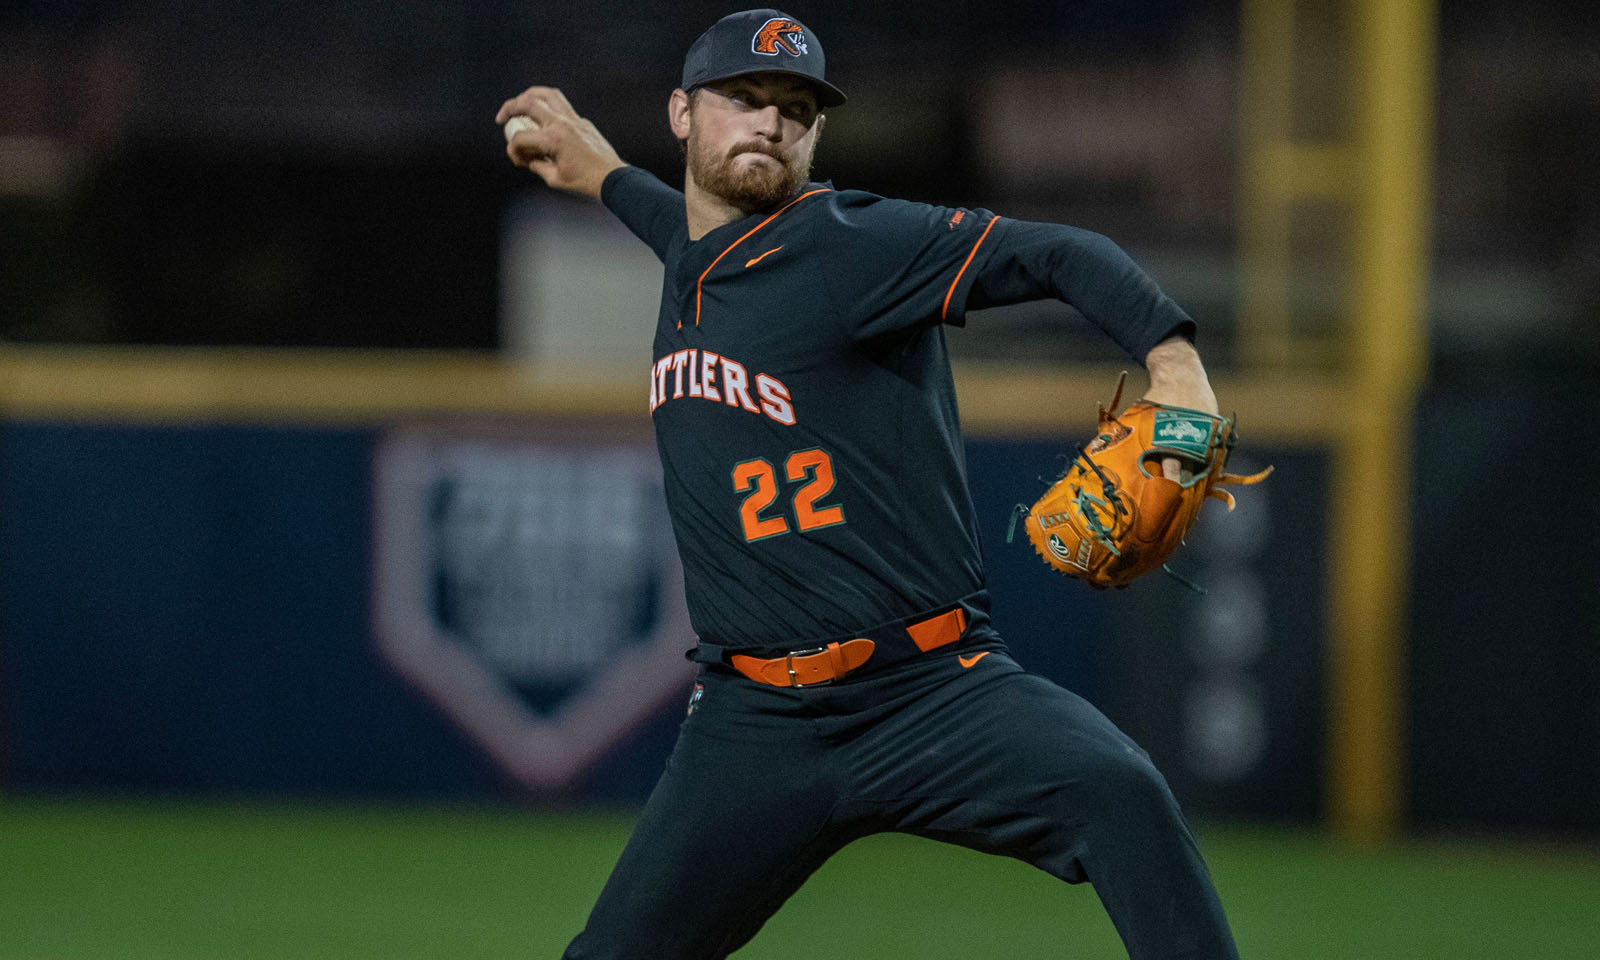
x=518, y=124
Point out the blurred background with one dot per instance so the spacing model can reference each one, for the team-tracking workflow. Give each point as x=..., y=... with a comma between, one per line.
x=326, y=475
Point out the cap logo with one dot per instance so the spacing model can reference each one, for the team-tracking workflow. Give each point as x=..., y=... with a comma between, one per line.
x=779, y=33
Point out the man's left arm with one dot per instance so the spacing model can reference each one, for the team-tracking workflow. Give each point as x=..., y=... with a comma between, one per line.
x=1024, y=260
x=917, y=264
x=1032, y=261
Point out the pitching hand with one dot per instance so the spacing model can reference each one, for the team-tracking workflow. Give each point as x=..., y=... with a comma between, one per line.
x=565, y=150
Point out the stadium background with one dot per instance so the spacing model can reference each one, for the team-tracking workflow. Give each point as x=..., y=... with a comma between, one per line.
x=333, y=619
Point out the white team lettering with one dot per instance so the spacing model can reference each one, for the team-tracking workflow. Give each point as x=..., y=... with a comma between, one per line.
x=679, y=359
x=701, y=369
x=708, y=375
x=736, y=385
x=775, y=399
x=658, y=381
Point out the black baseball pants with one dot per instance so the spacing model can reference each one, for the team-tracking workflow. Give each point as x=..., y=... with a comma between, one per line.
x=766, y=783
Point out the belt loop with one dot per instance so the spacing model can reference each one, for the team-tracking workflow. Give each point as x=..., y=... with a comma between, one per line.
x=836, y=658
x=938, y=630
x=704, y=652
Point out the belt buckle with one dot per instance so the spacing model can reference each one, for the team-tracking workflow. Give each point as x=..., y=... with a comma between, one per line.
x=793, y=677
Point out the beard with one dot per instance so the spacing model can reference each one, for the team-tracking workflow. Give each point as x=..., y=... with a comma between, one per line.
x=750, y=188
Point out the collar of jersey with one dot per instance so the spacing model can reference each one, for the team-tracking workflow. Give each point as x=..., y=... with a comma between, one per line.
x=733, y=229
x=741, y=230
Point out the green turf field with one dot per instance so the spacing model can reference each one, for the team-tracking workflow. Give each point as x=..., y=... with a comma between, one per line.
x=110, y=880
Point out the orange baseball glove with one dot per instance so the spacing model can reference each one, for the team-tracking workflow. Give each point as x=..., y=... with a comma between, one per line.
x=1113, y=516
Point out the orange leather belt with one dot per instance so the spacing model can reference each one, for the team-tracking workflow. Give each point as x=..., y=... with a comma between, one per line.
x=804, y=668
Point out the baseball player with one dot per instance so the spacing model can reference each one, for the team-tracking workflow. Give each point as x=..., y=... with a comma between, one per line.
x=850, y=681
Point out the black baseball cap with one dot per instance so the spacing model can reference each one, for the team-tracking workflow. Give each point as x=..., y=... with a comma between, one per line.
x=759, y=41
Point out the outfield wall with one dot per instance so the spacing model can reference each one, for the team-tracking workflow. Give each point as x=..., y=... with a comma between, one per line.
x=445, y=607
x=459, y=598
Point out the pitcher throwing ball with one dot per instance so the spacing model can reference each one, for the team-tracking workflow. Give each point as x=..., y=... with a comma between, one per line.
x=850, y=681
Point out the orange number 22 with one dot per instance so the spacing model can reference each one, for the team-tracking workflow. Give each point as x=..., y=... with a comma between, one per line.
x=759, y=477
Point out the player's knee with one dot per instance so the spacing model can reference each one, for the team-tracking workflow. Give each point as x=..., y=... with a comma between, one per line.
x=1124, y=783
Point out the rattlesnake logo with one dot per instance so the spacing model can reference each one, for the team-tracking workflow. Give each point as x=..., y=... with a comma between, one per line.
x=779, y=33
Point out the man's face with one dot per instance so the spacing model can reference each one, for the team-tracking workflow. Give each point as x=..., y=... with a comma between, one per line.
x=751, y=138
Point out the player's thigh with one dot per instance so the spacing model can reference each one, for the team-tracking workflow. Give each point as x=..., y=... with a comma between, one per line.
x=1068, y=792
x=998, y=731
x=1057, y=752
x=1028, y=769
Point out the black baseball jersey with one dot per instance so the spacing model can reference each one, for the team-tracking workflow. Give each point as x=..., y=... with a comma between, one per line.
x=803, y=403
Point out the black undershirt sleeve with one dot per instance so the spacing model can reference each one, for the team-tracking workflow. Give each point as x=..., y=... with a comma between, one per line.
x=1037, y=261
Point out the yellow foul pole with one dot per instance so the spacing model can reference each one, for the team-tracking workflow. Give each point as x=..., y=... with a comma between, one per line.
x=1394, y=43
x=1378, y=169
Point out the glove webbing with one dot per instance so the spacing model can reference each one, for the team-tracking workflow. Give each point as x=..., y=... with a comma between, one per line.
x=1112, y=502
x=1101, y=531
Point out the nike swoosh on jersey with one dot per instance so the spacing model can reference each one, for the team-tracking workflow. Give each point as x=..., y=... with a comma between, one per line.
x=755, y=260
x=969, y=662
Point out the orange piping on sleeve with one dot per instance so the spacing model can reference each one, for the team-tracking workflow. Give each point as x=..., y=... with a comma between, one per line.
x=952, y=291
x=699, y=283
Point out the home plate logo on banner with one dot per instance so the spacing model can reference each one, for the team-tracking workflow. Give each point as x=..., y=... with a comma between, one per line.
x=525, y=580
